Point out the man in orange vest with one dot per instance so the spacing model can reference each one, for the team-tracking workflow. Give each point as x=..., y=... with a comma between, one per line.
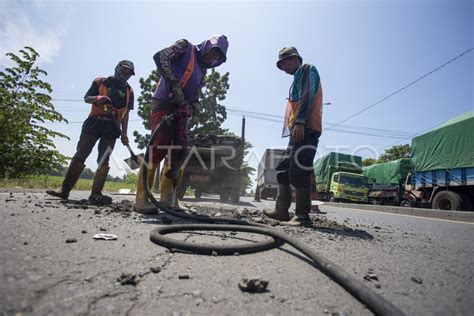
x=183, y=67
x=303, y=125
x=111, y=98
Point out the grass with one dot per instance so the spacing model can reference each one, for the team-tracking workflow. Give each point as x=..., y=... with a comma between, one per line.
x=53, y=182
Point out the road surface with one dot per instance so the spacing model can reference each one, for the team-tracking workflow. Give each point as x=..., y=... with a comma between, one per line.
x=50, y=264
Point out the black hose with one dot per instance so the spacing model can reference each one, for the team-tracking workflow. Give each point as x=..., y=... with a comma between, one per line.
x=375, y=302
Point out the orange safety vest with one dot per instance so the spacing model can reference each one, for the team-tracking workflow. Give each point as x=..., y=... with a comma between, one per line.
x=313, y=119
x=186, y=74
x=107, y=109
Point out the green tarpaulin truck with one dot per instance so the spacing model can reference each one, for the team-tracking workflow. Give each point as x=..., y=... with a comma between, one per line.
x=339, y=178
x=387, y=181
x=443, y=166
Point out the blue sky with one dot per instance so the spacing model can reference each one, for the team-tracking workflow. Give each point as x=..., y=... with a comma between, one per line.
x=364, y=51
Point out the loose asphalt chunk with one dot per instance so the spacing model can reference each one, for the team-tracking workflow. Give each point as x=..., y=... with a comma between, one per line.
x=255, y=285
x=128, y=279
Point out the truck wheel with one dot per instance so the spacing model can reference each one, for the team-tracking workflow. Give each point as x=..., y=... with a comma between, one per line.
x=235, y=198
x=197, y=193
x=257, y=195
x=405, y=203
x=182, y=190
x=447, y=200
x=466, y=204
x=224, y=196
x=332, y=198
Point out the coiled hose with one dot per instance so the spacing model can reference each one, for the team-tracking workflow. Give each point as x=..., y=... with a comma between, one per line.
x=375, y=302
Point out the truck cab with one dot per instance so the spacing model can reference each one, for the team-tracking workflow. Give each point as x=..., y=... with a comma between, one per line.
x=347, y=186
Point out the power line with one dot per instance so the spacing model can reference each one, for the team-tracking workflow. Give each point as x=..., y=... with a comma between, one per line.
x=252, y=114
x=344, y=126
x=403, y=88
x=374, y=132
x=334, y=130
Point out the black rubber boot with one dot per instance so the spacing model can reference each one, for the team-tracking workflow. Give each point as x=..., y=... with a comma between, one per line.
x=283, y=202
x=96, y=197
x=303, y=207
x=72, y=175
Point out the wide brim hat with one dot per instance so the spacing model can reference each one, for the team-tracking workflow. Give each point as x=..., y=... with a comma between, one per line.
x=287, y=52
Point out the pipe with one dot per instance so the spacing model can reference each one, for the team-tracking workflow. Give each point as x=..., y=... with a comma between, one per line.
x=375, y=302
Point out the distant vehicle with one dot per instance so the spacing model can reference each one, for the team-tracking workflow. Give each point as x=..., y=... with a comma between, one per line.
x=267, y=184
x=387, y=181
x=214, y=166
x=339, y=178
x=443, y=166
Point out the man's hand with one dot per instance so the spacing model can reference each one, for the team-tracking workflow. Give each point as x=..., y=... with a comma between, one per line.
x=297, y=133
x=103, y=99
x=124, y=140
x=178, y=95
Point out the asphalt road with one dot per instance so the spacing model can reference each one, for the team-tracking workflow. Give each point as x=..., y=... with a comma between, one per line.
x=50, y=264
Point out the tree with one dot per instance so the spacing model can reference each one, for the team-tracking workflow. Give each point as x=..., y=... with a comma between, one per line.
x=25, y=104
x=210, y=116
x=395, y=152
x=147, y=86
x=207, y=121
x=368, y=162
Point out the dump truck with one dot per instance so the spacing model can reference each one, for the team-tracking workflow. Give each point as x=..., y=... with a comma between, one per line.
x=386, y=181
x=339, y=178
x=267, y=184
x=443, y=166
x=213, y=165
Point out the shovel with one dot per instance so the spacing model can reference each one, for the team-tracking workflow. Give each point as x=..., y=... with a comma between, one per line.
x=133, y=161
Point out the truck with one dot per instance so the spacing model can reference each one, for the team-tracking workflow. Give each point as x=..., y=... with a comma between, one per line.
x=386, y=181
x=267, y=184
x=213, y=165
x=443, y=166
x=339, y=178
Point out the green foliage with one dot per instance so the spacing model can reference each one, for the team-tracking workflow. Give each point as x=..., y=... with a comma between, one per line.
x=130, y=178
x=53, y=182
x=25, y=104
x=395, y=152
x=212, y=114
x=147, y=87
x=368, y=162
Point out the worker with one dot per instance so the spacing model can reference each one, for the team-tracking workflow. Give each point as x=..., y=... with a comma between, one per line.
x=182, y=67
x=111, y=98
x=303, y=126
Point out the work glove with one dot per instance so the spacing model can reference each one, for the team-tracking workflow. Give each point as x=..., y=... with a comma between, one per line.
x=124, y=140
x=178, y=95
x=103, y=99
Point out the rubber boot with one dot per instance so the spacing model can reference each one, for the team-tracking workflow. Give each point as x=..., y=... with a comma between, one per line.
x=283, y=202
x=142, y=203
x=167, y=186
x=303, y=207
x=72, y=175
x=96, y=197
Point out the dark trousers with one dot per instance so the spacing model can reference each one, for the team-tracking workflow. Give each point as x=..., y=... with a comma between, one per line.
x=296, y=165
x=93, y=130
x=172, y=137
